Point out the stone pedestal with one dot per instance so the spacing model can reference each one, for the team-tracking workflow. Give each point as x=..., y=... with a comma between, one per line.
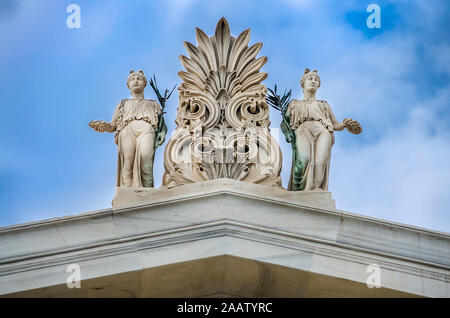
x=134, y=196
x=222, y=238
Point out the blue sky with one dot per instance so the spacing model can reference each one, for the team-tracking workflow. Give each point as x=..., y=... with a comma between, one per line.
x=393, y=80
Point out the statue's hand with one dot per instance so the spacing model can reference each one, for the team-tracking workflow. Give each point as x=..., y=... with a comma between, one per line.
x=288, y=138
x=352, y=126
x=101, y=126
x=160, y=139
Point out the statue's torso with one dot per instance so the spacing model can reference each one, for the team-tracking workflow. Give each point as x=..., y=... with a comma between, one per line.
x=315, y=113
x=139, y=113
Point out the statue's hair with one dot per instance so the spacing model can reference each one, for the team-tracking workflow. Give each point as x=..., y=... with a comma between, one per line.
x=139, y=73
x=308, y=73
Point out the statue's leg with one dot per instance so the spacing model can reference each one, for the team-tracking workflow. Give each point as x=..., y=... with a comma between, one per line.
x=302, y=158
x=127, y=151
x=322, y=155
x=146, y=145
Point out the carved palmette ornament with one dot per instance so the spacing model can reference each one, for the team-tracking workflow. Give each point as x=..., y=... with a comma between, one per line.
x=222, y=116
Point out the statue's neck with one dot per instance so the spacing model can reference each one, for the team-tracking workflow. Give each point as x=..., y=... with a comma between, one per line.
x=309, y=95
x=137, y=95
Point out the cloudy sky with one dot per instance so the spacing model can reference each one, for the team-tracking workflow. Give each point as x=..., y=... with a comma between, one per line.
x=394, y=80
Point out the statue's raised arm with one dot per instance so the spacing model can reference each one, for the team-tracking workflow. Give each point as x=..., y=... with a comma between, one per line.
x=104, y=126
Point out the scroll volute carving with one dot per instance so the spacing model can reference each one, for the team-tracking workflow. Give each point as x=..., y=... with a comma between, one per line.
x=222, y=117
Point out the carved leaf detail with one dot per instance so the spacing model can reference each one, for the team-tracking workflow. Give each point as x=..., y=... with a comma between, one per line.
x=206, y=47
x=240, y=45
x=198, y=57
x=252, y=68
x=222, y=39
x=248, y=56
x=192, y=67
x=222, y=115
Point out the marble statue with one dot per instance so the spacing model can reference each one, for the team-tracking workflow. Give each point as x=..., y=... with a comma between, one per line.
x=309, y=126
x=222, y=116
x=139, y=130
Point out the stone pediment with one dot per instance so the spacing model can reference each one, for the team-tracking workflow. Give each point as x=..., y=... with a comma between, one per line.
x=225, y=222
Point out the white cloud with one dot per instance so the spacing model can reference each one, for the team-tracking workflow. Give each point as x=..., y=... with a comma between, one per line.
x=302, y=4
x=440, y=54
x=400, y=172
x=177, y=10
x=402, y=177
x=17, y=28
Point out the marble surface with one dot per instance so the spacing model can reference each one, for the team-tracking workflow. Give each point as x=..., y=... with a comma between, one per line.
x=132, y=196
x=226, y=219
x=222, y=115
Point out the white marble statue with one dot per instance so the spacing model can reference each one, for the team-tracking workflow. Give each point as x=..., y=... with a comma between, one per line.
x=137, y=134
x=312, y=125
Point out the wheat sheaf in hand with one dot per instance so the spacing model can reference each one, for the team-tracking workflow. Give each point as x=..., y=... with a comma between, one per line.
x=100, y=125
x=352, y=126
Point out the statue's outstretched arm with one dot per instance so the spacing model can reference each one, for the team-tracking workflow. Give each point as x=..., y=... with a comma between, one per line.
x=336, y=124
x=352, y=125
x=102, y=126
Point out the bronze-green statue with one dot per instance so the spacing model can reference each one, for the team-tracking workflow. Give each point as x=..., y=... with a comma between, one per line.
x=309, y=126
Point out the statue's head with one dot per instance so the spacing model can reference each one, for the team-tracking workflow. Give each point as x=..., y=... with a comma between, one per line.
x=310, y=80
x=136, y=81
